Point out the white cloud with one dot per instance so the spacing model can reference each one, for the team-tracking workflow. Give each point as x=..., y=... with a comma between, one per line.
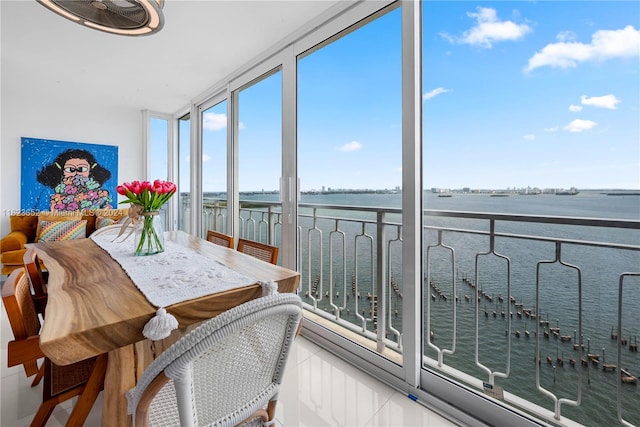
x=606, y=101
x=529, y=137
x=579, y=125
x=434, y=92
x=205, y=158
x=551, y=129
x=489, y=29
x=214, y=121
x=566, y=36
x=575, y=108
x=351, y=146
x=605, y=44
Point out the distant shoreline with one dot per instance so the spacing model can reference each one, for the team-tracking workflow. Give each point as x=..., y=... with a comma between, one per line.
x=515, y=192
x=637, y=193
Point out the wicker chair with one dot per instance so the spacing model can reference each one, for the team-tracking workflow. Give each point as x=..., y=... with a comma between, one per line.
x=38, y=280
x=259, y=250
x=61, y=383
x=225, y=372
x=220, y=239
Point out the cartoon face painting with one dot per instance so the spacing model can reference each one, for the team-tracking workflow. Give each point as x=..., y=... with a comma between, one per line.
x=74, y=167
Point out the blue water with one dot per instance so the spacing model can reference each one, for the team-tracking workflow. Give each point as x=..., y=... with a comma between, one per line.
x=557, y=299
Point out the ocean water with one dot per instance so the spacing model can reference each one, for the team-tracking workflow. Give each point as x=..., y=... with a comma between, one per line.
x=599, y=270
x=591, y=272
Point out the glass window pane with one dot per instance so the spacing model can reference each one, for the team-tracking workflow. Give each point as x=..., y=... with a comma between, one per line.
x=260, y=159
x=530, y=109
x=184, y=173
x=214, y=168
x=158, y=157
x=349, y=163
x=158, y=167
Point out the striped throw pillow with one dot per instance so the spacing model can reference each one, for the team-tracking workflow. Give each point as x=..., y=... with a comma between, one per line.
x=52, y=231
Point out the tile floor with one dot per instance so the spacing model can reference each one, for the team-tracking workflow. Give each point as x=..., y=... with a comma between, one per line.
x=319, y=389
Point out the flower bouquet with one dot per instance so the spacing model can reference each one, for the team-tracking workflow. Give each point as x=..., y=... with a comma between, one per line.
x=146, y=200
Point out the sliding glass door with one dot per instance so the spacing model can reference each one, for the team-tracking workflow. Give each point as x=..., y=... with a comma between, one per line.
x=521, y=307
x=214, y=168
x=350, y=172
x=259, y=144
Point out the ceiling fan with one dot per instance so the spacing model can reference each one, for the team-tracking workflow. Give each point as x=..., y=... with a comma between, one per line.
x=125, y=17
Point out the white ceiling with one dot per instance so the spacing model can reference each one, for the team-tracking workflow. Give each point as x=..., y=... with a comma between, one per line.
x=202, y=42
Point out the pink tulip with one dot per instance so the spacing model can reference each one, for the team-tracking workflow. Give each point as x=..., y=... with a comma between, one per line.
x=158, y=186
x=168, y=187
x=134, y=186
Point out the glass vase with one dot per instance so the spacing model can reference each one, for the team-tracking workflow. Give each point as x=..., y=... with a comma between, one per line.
x=149, y=234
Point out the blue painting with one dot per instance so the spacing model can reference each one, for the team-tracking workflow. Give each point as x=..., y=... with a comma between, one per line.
x=68, y=176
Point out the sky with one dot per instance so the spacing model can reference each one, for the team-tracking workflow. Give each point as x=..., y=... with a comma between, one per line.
x=542, y=94
x=515, y=94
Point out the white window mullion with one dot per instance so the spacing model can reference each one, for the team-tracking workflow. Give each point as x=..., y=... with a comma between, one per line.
x=233, y=190
x=289, y=182
x=412, y=189
x=196, y=170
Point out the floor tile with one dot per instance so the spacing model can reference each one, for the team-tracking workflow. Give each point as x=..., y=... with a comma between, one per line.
x=19, y=400
x=326, y=391
x=319, y=389
x=400, y=411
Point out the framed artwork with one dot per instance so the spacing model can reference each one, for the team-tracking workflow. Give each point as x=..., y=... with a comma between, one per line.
x=67, y=176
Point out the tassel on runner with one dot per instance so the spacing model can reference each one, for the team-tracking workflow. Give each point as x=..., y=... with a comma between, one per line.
x=160, y=326
x=269, y=288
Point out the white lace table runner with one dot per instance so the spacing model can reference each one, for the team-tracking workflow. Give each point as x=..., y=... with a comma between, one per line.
x=175, y=275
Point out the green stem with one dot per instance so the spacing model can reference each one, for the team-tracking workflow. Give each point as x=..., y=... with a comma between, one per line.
x=149, y=238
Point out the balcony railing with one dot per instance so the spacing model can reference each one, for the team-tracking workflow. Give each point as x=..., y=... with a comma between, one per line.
x=540, y=312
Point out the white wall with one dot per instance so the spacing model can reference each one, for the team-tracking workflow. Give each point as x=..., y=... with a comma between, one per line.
x=58, y=119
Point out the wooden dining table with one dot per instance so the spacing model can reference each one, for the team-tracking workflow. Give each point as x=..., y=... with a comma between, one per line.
x=95, y=309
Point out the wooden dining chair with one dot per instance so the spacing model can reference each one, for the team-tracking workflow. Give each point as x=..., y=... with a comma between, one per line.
x=259, y=250
x=220, y=239
x=61, y=383
x=38, y=280
x=225, y=372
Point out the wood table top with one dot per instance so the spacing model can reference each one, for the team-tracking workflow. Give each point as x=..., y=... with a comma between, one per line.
x=94, y=307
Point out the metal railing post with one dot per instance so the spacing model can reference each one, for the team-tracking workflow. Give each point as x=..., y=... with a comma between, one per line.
x=381, y=281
